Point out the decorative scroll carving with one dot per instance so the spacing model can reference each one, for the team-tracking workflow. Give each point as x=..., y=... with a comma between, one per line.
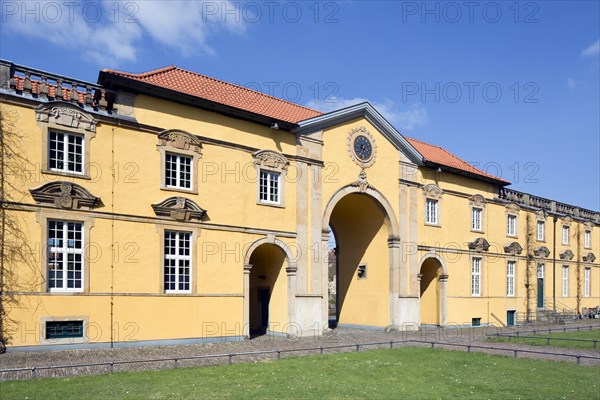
x=432, y=191
x=66, y=114
x=477, y=200
x=541, y=215
x=180, y=140
x=567, y=255
x=589, y=257
x=362, y=182
x=541, y=251
x=63, y=194
x=179, y=208
x=479, y=244
x=512, y=208
x=513, y=248
x=567, y=221
x=271, y=160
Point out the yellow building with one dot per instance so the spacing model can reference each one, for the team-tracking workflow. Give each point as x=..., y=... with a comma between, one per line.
x=170, y=207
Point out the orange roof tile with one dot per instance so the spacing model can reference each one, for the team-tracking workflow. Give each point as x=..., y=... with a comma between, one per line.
x=201, y=86
x=442, y=156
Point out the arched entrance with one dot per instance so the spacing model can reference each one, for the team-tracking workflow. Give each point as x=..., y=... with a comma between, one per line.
x=269, y=288
x=432, y=294
x=367, y=254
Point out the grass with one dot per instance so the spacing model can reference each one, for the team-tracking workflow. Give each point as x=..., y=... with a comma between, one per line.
x=530, y=339
x=411, y=373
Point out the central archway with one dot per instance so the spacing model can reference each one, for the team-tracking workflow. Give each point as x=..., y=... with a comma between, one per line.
x=367, y=254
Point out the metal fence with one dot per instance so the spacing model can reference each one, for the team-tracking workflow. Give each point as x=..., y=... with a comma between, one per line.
x=229, y=358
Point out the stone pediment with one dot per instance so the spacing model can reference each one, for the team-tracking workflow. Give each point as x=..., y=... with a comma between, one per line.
x=513, y=248
x=181, y=140
x=541, y=251
x=65, y=114
x=479, y=244
x=567, y=255
x=63, y=194
x=589, y=257
x=271, y=159
x=180, y=209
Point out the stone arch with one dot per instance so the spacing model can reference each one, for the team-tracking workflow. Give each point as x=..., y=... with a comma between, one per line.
x=390, y=218
x=291, y=268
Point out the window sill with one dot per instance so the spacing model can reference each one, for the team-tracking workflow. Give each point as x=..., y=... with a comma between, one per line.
x=67, y=174
x=477, y=231
x=433, y=225
x=276, y=205
x=512, y=236
x=178, y=190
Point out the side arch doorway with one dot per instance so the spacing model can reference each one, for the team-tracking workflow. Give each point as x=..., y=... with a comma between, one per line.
x=269, y=288
x=432, y=295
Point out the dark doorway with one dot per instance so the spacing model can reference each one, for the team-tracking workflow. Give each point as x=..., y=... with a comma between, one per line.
x=540, y=286
x=264, y=295
x=510, y=317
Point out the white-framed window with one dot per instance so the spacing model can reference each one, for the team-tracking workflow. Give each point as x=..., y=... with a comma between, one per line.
x=565, y=234
x=65, y=256
x=511, y=225
x=565, y=281
x=540, y=271
x=476, y=276
x=510, y=278
x=65, y=152
x=431, y=212
x=269, y=187
x=178, y=171
x=541, y=231
x=177, y=263
x=587, y=239
x=586, y=281
x=476, y=214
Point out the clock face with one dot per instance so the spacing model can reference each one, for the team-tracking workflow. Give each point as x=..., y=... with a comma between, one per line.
x=363, y=148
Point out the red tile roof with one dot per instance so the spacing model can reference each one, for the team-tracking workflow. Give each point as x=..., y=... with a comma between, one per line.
x=201, y=86
x=442, y=157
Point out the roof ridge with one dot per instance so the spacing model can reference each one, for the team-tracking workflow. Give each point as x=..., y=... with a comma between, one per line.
x=245, y=88
x=142, y=74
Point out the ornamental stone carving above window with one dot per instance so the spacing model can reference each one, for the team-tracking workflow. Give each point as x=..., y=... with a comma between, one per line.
x=541, y=215
x=477, y=200
x=271, y=160
x=65, y=114
x=180, y=140
x=179, y=209
x=479, y=244
x=512, y=209
x=589, y=257
x=541, y=251
x=567, y=255
x=61, y=194
x=432, y=191
x=513, y=248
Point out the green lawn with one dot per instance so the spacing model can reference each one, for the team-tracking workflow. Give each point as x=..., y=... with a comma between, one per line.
x=408, y=373
x=588, y=335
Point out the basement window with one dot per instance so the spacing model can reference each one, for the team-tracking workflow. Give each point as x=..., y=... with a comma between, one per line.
x=64, y=329
x=362, y=271
x=476, y=321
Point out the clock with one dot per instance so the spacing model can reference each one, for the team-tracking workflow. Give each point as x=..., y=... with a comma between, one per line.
x=361, y=147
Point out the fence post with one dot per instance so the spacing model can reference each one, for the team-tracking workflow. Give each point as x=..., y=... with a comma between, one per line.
x=357, y=346
x=432, y=345
x=230, y=359
x=468, y=348
x=578, y=360
x=547, y=341
x=175, y=365
x=391, y=344
x=321, y=349
x=595, y=344
x=515, y=353
x=278, y=355
x=110, y=367
x=33, y=373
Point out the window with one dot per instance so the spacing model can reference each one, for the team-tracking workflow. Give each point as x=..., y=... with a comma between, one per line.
x=476, y=277
x=476, y=321
x=541, y=231
x=64, y=329
x=476, y=218
x=65, y=256
x=178, y=259
x=511, y=229
x=565, y=281
x=431, y=212
x=540, y=271
x=178, y=171
x=65, y=152
x=510, y=278
x=269, y=187
x=586, y=281
x=587, y=239
x=565, y=234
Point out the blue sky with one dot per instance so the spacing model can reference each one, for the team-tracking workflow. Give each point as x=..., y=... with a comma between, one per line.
x=512, y=87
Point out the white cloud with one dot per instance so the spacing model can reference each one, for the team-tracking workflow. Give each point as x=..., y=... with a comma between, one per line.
x=406, y=119
x=113, y=31
x=591, y=50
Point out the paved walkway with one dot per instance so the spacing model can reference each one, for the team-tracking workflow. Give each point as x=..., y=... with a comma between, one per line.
x=338, y=337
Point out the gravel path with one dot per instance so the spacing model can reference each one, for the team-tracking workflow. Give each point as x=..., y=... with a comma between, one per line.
x=338, y=337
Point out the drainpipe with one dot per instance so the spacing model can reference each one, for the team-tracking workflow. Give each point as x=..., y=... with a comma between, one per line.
x=554, y=264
